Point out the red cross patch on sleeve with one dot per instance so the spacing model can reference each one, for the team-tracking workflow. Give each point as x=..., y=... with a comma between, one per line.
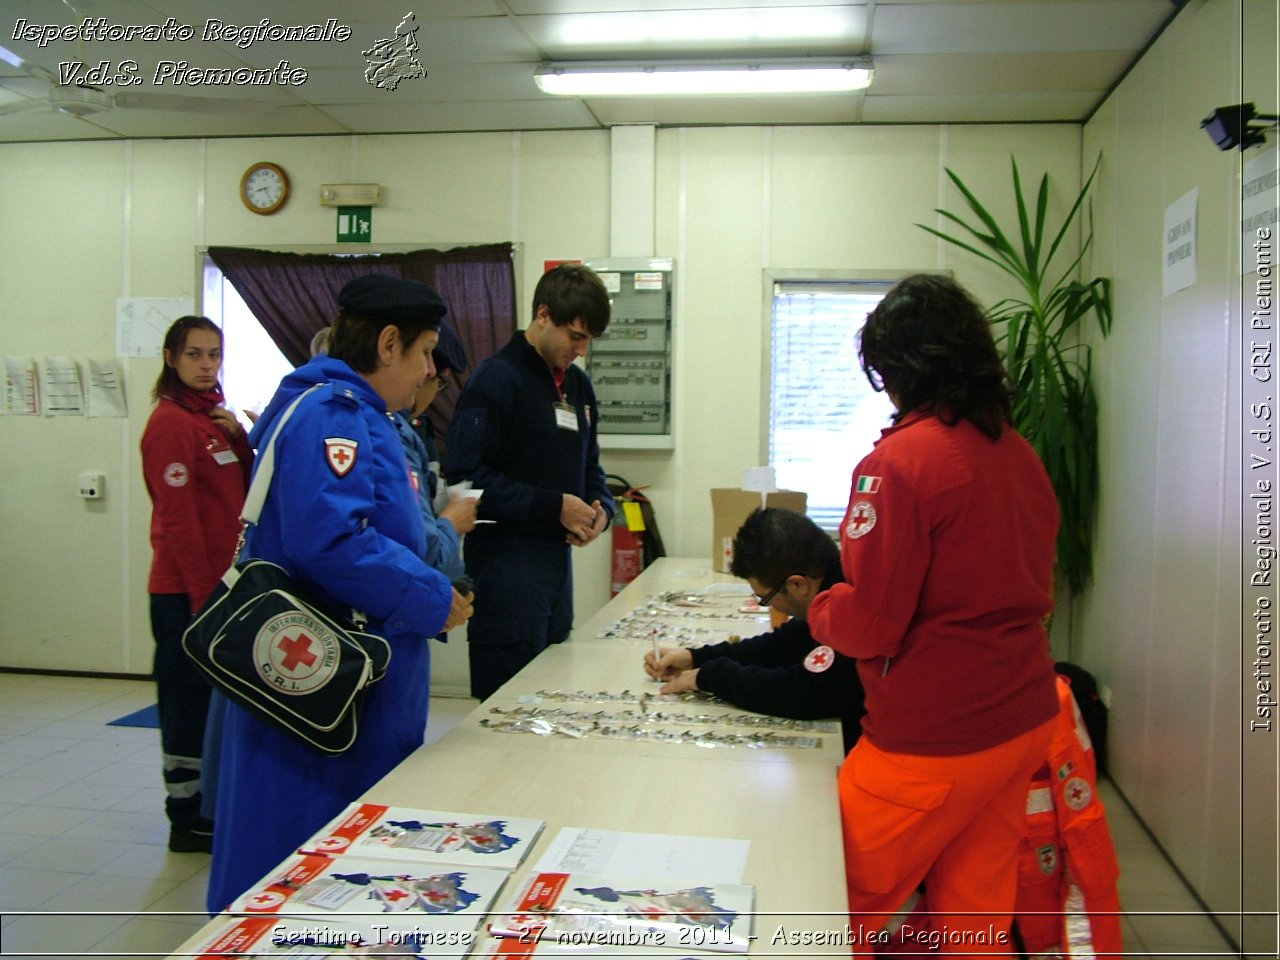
x=340, y=454
x=177, y=474
x=819, y=659
x=861, y=520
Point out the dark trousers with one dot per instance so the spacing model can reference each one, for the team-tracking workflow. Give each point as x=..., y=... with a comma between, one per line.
x=524, y=601
x=182, y=695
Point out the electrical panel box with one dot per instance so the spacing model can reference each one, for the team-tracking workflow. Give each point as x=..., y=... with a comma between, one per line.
x=630, y=364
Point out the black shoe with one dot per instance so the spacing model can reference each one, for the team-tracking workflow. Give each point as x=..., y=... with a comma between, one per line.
x=190, y=841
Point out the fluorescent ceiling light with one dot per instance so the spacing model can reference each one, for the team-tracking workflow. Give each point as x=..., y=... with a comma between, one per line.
x=709, y=78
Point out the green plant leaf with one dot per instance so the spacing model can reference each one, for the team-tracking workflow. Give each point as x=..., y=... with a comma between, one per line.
x=1054, y=404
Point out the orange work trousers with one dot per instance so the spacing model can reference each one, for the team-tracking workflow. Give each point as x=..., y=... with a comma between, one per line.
x=954, y=822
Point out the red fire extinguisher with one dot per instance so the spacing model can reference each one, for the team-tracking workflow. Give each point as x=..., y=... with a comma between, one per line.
x=636, y=542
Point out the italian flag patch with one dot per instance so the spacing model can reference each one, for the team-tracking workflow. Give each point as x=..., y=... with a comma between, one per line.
x=867, y=484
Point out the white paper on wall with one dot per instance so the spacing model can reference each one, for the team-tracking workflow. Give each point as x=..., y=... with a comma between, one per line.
x=1180, y=242
x=105, y=394
x=141, y=323
x=60, y=389
x=21, y=387
x=1259, y=210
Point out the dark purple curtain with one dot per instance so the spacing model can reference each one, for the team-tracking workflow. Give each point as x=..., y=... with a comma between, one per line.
x=295, y=294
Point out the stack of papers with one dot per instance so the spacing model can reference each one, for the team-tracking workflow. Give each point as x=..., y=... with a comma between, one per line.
x=427, y=836
x=400, y=895
x=610, y=893
x=251, y=938
x=571, y=912
x=379, y=878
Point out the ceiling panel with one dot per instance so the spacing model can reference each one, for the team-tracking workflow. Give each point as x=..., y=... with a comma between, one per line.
x=488, y=115
x=936, y=61
x=987, y=73
x=1017, y=27
x=993, y=108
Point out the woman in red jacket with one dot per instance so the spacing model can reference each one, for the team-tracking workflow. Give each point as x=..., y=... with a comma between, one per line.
x=196, y=461
x=947, y=548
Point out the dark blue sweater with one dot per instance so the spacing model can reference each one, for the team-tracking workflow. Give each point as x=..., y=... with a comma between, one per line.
x=504, y=439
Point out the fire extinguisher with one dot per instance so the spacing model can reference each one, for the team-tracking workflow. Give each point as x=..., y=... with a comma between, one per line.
x=636, y=542
x=628, y=553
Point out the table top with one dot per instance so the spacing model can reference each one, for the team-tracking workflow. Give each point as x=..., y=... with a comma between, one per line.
x=783, y=800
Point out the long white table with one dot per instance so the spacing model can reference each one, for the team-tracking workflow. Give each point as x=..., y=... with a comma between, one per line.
x=783, y=801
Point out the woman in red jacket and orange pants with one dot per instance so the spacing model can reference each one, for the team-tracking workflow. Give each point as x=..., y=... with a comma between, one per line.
x=947, y=547
x=195, y=461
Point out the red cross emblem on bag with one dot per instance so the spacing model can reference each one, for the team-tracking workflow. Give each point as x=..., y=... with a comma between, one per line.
x=340, y=454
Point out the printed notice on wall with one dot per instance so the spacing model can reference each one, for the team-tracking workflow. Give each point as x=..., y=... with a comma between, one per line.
x=1180, y=243
x=21, y=388
x=1259, y=205
x=60, y=388
x=141, y=323
x=105, y=394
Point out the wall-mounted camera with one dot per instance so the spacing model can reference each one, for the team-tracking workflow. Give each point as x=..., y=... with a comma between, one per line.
x=1233, y=126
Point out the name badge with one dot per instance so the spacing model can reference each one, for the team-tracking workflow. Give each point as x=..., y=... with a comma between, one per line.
x=222, y=453
x=566, y=417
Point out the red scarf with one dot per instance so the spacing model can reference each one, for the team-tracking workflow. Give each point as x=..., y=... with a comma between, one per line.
x=199, y=401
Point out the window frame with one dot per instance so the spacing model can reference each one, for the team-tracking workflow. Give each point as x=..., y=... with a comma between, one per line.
x=773, y=278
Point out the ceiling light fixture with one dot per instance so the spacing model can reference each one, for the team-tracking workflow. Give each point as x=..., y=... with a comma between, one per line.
x=706, y=78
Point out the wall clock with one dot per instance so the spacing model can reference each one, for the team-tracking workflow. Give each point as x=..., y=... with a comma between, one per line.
x=264, y=188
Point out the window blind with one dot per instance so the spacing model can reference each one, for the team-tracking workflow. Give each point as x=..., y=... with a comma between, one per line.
x=823, y=415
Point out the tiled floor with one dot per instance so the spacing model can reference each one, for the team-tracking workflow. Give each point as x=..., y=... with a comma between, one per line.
x=82, y=825
x=82, y=832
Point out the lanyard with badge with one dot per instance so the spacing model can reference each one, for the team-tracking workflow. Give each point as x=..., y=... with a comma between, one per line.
x=566, y=416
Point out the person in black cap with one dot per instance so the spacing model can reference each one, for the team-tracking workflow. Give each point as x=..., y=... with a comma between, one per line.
x=342, y=517
x=454, y=516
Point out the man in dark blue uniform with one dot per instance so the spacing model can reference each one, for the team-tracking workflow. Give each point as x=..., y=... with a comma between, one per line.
x=524, y=432
x=787, y=559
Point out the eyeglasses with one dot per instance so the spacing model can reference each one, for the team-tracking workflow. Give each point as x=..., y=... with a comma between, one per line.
x=443, y=382
x=768, y=597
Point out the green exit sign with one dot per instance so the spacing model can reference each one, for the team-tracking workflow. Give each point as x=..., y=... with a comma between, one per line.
x=355, y=224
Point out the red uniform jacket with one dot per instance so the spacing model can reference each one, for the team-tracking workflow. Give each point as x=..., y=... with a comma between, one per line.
x=947, y=547
x=197, y=477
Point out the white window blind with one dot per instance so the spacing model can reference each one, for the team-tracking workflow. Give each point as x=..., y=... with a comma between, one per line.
x=823, y=415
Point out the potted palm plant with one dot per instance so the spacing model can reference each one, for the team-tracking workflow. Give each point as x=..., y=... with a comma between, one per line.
x=1038, y=331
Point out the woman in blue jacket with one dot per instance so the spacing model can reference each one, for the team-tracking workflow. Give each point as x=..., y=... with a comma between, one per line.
x=341, y=515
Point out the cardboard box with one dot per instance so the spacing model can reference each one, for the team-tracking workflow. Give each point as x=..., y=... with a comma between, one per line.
x=730, y=506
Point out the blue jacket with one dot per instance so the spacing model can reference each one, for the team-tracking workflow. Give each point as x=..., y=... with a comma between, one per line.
x=342, y=514
x=504, y=439
x=358, y=535
x=442, y=539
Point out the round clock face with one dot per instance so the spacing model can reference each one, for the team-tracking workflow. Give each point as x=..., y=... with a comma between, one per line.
x=264, y=188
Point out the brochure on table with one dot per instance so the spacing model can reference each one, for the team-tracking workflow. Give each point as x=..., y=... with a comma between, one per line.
x=557, y=913
x=610, y=892
x=427, y=836
x=250, y=938
x=398, y=893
